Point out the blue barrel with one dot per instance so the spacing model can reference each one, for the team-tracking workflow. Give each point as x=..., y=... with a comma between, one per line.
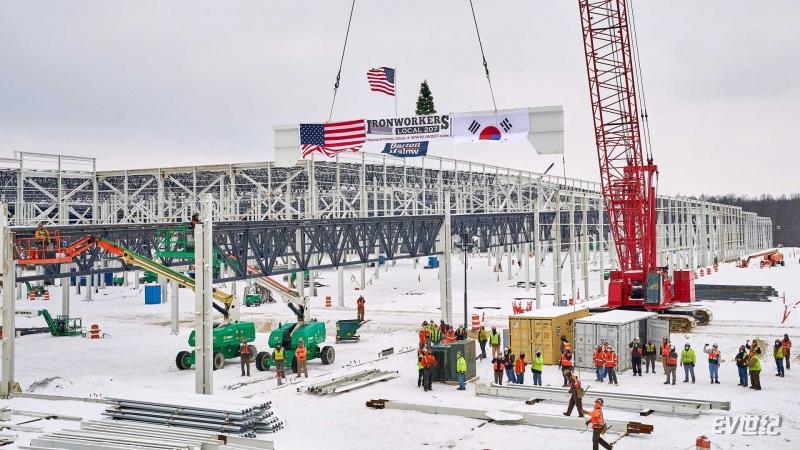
x=152, y=294
x=433, y=262
x=563, y=302
x=109, y=278
x=381, y=260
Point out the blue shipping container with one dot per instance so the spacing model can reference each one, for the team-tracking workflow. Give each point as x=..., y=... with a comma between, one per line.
x=152, y=294
x=109, y=278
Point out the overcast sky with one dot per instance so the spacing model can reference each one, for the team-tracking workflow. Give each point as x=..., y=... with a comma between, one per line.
x=162, y=83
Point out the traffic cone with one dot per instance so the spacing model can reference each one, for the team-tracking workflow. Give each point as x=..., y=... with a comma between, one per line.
x=46, y=295
x=328, y=303
x=31, y=295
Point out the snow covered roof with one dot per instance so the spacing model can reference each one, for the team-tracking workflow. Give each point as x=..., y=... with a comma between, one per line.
x=617, y=316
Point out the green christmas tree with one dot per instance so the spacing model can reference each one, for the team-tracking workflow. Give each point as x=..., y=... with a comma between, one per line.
x=425, y=100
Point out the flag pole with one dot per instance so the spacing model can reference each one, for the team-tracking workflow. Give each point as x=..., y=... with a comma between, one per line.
x=395, y=92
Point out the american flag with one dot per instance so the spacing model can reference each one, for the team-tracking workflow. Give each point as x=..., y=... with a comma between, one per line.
x=381, y=80
x=333, y=137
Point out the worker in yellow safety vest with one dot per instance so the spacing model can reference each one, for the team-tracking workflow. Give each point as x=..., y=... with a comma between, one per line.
x=280, y=359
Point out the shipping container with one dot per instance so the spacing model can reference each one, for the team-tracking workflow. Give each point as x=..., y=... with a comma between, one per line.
x=618, y=328
x=542, y=331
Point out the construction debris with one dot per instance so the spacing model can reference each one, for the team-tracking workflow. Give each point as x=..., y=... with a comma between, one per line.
x=351, y=382
x=512, y=417
x=638, y=402
x=223, y=416
x=101, y=435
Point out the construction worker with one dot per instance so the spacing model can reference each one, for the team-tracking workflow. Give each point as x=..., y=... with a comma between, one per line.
x=672, y=363
x=461, y=334
x=611, y=362
x=575, y=394
x=497, y=367
x=564, y=344
x=461, y=371
x=483, y=338
x=360, y=308
x=428, y=365
x=420, y=368
x=598, y=425
x=754, y=367
x=494, y=341
x=244, y=357
x=519, y=369
x=787, y=347
x=688, y=360
x=195, y=221
x=508, y=363
x=436, y=333
x=424, y=334
x=301, y=355
x=649, y=356
x=536, y=367
x=599, y=364
x=665, y=349
x=713, y=362
x=566, y=365
x=741, y=365
x=279, y=357
x=777, y=352
x=636, y=356
x=42, y=237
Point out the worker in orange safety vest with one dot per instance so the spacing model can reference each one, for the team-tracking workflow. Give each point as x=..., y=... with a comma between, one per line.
x=566, y=366
x=598, y=425
x=610, y=358
x=599, y=364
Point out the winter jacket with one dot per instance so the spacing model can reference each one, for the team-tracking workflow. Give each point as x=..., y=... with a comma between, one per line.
x=672, y=359
x=649, y=349
x=636, y=350
x=778, y=352
x=688, y=357
x=538, y=364
x=301, y=353
x=713, y=355
x=483, y=336
x=508, y=360
x=741, y=359
x=494, y=339
x=754, y=363
x=461, y=365
x=519, y=366
x=610, y=360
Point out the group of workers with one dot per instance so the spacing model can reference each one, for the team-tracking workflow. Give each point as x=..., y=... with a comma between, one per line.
x=430, y=334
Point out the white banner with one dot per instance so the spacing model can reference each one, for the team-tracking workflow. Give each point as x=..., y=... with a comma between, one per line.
x=414, y=128
x=508, y=125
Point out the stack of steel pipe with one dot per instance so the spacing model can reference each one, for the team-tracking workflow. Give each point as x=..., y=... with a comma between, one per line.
x=223, y=416
x=350, y=382
x=734, y=292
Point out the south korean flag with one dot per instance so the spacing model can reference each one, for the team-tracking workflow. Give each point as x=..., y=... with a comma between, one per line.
x=510, y=125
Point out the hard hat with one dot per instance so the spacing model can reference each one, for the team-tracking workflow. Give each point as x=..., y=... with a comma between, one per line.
x=599, y=400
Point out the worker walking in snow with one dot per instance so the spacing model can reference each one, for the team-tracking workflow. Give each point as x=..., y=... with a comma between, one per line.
x=787, y=347
x=713, y=362
x=360, y=308
x=649, y=356
x=636, y=356
x=754, y=367
x=497, y=367
x=483, y=338
x=536, y=368
x=777, y=352
x=688, y=360
x=741, y=365
x=599, y=364
x=671, y=361
x=280, y=359
x=519, y=369
x=301, y=356
x=494, y=341
x=428, y=365
x=598, y=426
x=575, y=394
x=611, y=361
x=244, y=357
x=461, y=371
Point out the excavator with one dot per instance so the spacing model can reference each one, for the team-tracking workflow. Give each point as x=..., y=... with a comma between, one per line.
x=769, y=258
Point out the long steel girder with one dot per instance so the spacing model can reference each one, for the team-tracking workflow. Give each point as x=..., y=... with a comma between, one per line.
x=309, y=244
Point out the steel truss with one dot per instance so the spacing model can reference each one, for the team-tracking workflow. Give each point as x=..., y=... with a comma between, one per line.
x=66, y=190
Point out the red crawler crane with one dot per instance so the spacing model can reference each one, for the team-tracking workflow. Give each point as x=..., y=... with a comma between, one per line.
x=628, y=183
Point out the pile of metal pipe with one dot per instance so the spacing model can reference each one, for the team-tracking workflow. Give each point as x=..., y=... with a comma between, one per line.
x=97, y=435
x=350, y=382
x=734, y=292
x=240, y=418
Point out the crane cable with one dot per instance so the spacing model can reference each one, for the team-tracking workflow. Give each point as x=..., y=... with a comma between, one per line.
x=341, y=61
x=483, y=55
x=640, y=84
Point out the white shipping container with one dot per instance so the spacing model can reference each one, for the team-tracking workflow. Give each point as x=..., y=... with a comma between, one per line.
x=618, y=328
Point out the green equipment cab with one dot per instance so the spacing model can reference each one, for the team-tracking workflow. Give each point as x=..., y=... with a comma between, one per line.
x=226, y=339
x=62, y=325
x=289, y=335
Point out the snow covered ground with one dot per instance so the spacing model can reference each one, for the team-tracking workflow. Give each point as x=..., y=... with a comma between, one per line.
x=141, y=355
